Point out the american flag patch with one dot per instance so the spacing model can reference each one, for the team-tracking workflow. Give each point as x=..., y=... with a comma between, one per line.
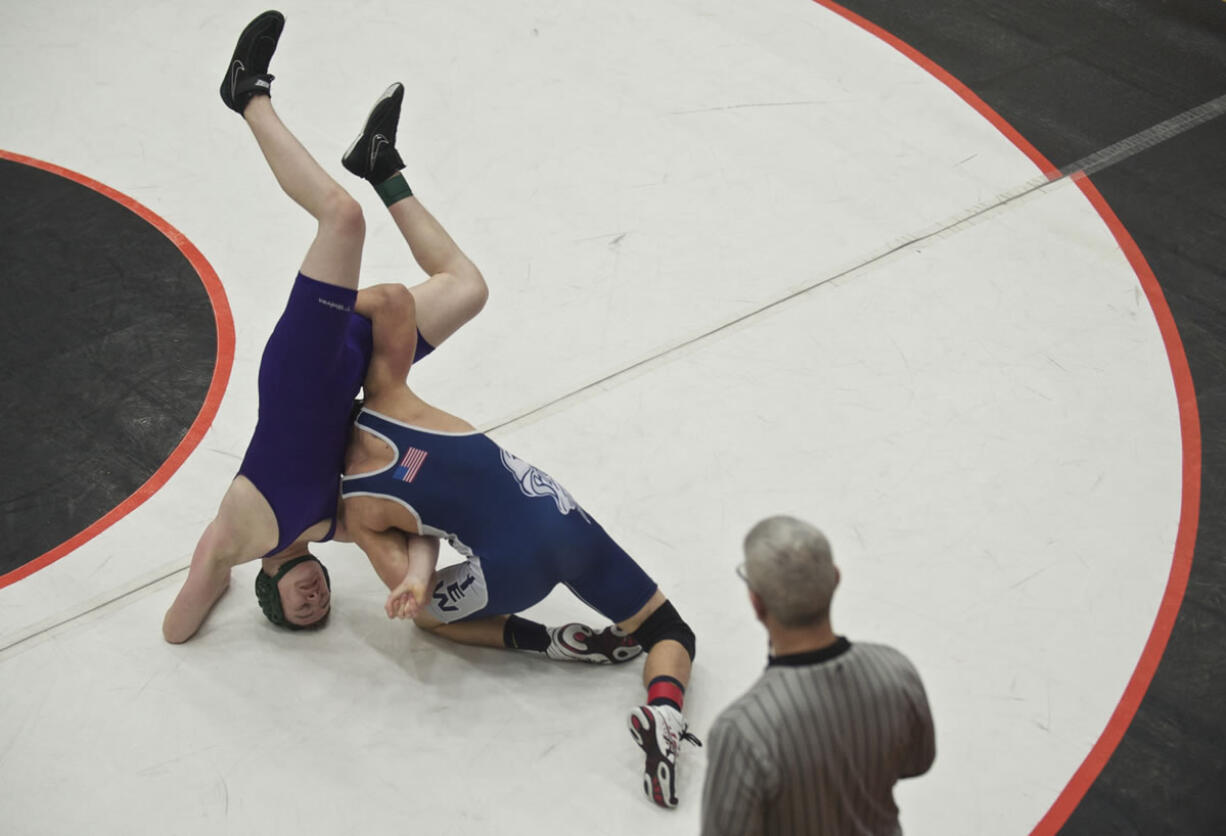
x=406, y=471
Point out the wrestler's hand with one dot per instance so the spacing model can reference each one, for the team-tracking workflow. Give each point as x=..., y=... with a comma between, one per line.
x=407, y=599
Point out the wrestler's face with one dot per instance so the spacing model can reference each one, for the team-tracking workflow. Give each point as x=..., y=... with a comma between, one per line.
x=305, y=597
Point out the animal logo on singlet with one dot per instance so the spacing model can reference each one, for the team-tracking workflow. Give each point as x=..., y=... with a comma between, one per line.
x=535, y=482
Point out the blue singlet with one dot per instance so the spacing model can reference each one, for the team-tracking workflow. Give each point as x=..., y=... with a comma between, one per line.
x=521, y=530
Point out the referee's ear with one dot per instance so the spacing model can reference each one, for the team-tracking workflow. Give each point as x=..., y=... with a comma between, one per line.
x=759, y=609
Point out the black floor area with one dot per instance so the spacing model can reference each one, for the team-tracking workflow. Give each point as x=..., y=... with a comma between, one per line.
x=108, y=344
x=1075, y=76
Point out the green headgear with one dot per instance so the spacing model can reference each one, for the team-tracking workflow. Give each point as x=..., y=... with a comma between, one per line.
x=269, y=596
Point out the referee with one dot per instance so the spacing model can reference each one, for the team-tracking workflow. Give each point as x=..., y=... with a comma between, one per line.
x=815, y=746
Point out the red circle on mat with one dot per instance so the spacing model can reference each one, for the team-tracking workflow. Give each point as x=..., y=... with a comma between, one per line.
x=1189, y=425
x=223, y=362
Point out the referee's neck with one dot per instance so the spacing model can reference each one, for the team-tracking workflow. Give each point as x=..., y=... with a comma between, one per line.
x=787, y=641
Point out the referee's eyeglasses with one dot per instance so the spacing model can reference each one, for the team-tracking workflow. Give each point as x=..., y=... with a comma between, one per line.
x=740, y=573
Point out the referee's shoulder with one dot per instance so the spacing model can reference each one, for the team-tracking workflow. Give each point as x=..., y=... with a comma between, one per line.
x=882, y=652
x=889, y=658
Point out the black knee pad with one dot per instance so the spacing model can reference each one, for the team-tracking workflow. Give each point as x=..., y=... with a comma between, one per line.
x=664, y=624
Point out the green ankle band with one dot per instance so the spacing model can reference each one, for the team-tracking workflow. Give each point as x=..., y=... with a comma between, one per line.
x=393, y=189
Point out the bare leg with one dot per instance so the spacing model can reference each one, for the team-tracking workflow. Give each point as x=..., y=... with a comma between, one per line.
x=659, y=727
x=481, y=632
x=668, y=657
x=336, y=253
x=456, y=290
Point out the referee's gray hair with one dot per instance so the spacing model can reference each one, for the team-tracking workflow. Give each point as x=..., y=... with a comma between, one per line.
x=788, y=563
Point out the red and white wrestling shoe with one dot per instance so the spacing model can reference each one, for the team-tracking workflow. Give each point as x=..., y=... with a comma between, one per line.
x=659, y=731
x=579, y=643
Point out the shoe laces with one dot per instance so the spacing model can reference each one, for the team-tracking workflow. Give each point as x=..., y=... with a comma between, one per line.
x=675, y=739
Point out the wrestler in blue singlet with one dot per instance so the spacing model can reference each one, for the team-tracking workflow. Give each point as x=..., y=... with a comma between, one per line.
x=313, y=367
x=522, y=532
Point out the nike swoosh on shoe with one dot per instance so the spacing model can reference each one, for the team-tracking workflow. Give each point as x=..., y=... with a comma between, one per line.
x=234, y=71
x=376, y=142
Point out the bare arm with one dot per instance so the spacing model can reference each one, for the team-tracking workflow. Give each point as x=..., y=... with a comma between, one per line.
x=387, y=552
x=405, y=563
x=207, y=579
x=243, y=529
x=409, y=598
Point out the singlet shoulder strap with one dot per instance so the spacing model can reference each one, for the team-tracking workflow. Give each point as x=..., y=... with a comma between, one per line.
x=384, y=430
x=372, y=420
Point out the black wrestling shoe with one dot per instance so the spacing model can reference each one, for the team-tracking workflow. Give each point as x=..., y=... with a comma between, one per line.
x=248, y=75
x=580, y=643
x=372, y=156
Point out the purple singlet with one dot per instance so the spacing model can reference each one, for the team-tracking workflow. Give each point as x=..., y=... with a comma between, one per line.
x=312, y=369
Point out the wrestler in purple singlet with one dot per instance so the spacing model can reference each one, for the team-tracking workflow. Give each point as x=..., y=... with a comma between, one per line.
x=312, y=369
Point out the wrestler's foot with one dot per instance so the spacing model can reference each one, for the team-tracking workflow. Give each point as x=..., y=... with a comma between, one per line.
x=372, y=156
x=579, y=643
x=659, y=730
x=247, y=75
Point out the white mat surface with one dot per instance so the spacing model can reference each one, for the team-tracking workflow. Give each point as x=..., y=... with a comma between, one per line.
x=984, y=421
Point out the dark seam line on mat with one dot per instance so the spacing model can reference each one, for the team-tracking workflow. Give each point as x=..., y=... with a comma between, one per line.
x=1091, y=164
x=1109, y=156
x=94, y=608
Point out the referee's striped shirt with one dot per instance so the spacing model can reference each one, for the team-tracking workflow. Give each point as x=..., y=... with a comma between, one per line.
x=815, y=746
